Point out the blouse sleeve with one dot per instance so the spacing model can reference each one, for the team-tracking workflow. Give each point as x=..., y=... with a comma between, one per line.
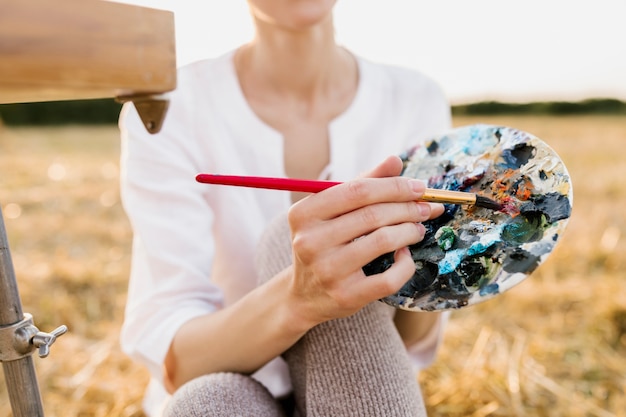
x=171, y=221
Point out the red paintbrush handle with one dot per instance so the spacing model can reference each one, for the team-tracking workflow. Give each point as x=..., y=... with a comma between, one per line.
x=285, y=184
x=313, y=186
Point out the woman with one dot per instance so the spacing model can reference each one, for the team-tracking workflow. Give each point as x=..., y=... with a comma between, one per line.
x=289, y=103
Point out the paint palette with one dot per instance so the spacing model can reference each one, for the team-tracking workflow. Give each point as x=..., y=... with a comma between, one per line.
x=471, y=254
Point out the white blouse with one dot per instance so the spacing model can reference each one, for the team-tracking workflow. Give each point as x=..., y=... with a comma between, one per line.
x=194, y=244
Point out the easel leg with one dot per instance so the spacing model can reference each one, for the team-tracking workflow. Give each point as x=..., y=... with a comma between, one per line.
x=20, y=376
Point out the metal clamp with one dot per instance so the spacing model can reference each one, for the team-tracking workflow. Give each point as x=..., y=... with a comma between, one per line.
x=20, y=339
x=44, y=340
x=151, y=108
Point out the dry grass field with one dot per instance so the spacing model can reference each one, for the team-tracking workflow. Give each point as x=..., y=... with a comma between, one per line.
x=553, y=346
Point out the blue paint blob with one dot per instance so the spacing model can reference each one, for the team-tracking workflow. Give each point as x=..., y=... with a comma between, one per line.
x=479, y=247
x=478, y=142
x=490, y=289
x=451, y=261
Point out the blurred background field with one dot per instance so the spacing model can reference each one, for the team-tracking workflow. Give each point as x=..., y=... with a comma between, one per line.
x=553, y=346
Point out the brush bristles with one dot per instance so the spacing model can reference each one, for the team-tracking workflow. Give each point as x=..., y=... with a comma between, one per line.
x=487, y=203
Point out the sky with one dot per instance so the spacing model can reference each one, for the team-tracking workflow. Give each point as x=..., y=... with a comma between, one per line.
x=477, y=50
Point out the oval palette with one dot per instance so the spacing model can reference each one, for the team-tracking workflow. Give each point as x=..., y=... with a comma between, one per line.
x=471, y=254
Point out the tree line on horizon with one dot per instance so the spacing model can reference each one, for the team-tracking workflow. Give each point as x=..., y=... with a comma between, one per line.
x=106, y=111
x=557, y=108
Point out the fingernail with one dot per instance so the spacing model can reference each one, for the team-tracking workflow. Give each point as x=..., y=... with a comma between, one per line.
x=417, y=186
x=422, y=229
x=405, y=251
x=424, y=209
x=437, y=207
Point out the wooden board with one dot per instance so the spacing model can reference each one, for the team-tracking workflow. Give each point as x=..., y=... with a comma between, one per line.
x=83, y=49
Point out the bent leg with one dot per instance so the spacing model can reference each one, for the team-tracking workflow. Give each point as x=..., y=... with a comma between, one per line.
x=356, y=366
x=223, y=395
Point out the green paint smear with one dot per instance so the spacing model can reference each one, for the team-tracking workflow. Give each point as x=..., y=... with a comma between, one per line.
x=446, y=238
x=525, y=228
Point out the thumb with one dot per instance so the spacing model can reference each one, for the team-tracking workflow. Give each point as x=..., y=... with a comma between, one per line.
x=390, y=167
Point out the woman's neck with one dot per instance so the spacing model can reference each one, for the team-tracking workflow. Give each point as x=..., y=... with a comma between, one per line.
x=297, y=65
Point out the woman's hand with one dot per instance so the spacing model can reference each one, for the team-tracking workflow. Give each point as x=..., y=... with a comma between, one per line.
x=338, y=231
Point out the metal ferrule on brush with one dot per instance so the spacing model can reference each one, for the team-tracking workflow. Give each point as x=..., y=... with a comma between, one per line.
x=448, y=197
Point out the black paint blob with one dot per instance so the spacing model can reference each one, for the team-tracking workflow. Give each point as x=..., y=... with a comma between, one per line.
x=425, y=275
x=449, y=288
x=519, y=260
x=517, y=156
x=471, y=270
x=432, y=147
x=554, y=206
x=378, y=265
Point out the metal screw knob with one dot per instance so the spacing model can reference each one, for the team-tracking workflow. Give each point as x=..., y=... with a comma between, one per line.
x=44, y=340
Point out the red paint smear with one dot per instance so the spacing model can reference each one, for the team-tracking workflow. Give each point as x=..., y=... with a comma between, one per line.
x=509, y=206
x=501, y=188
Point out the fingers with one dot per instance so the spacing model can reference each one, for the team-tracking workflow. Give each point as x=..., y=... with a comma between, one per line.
x=369, y=247
x=361, y=290
x=350, y=258
x=334, y=218
x=339, y=230
x=375, y=287
x=390, y=167
x=366, y=220
x=353, y=195
x=436, y=210
x=350, y=255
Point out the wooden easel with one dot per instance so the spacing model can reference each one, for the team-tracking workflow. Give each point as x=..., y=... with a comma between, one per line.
x=64, y=50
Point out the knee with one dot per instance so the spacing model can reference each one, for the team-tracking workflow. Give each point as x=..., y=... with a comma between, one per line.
x=222, y=394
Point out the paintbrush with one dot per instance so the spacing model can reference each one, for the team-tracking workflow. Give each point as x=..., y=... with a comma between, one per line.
x=313, y=186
